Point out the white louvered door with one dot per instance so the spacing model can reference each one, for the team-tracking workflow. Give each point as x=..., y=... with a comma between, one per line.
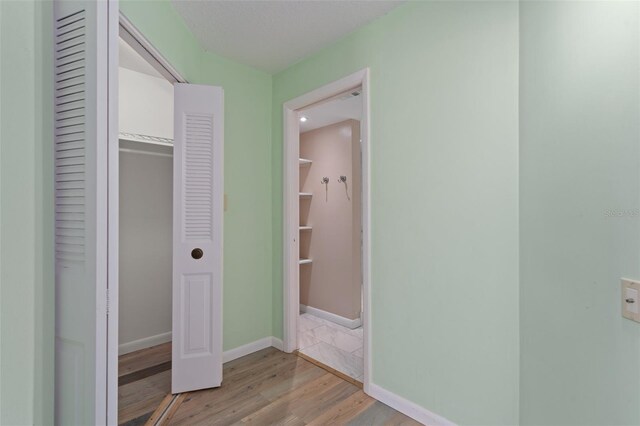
x=197, y=237
x=81, y=137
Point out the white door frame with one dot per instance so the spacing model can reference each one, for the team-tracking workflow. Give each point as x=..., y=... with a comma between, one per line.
x=143, y=46
x=291, y=274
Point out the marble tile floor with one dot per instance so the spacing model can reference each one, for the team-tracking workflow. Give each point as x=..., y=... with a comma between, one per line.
x=338, y=347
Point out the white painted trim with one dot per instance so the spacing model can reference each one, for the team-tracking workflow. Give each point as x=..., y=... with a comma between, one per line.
x=407, y=407
x=291, y=228
x=291, y=134
x=143, y=152
x=227, y=356
x=145, y=342
x=365, y=136
x=252, y=347
x=329, y=316
x=113, y=215
x=118, y=24
x=134, y=38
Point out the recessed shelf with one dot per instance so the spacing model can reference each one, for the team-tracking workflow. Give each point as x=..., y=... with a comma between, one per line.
x=305, y=195
x=304, y=162
x=305, y=228
x=304, y=261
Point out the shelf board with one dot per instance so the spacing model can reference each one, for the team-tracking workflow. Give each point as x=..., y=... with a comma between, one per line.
x=305, y=195
x=304, y=261
x=154, y=140
x=304, y=162
x=305, y=228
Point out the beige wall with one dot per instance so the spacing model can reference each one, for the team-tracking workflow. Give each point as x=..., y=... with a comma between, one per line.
x=332, y=282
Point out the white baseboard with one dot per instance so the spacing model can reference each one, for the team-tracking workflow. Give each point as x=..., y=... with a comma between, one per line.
x=407, y=407
x=277, y=343
x=227, y=356
x=345, y=322
x=143, y=343
x=252, y=347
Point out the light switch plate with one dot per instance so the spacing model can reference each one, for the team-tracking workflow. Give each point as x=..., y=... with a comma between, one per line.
x=631, y=299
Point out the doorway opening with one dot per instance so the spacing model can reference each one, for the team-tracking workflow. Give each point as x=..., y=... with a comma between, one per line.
x=165, y=228
x=145, y=138
x=330, y=322
x=326, y=248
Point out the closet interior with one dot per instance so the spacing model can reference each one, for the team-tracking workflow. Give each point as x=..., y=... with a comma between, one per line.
x=145, y=236
x=330, y=226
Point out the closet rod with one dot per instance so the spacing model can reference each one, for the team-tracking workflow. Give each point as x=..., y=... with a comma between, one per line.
x=140, y=151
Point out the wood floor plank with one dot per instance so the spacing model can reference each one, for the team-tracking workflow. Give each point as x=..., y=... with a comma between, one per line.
x=324, y=401
x=235, y=390
x=267, y=387
x=171, y=411
x=145, y=358
x=159, y=411
x=138, y=421
x=299, y=377
x=330, y=369
x=141, y=397
x=223, y=414
x=279, y=410
x=144, y=373
x=381, y=414
x=344, y=411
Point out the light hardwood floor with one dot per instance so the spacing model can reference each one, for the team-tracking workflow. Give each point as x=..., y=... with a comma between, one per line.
x=144, y=379
x=267, y=387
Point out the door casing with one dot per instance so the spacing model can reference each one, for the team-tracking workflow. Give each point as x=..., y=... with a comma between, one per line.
x=291, y=135
x=147, y=50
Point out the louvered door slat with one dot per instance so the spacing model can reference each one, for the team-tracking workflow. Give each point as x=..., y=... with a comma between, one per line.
x=70, y=45
x=80, y=52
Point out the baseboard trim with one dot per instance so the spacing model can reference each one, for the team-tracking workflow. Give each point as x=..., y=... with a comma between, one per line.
x=227, y=356
x=277, y=343
x=252, y=347
x=407, y=407
x=345, y=322
x=144, y=343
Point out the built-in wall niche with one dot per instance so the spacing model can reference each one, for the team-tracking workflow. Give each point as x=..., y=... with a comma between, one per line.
x=305, y=204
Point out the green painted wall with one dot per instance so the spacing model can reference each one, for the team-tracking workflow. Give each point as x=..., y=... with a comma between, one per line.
x=444, y=152
x=579, y=159
x=26, y=211
x=502, y=134
x=247, y=222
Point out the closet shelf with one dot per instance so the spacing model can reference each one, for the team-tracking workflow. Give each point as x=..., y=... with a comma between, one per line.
x=305, y=195
x=305, y=228
x=134, y=137
x=305, y=162
x=304, y=261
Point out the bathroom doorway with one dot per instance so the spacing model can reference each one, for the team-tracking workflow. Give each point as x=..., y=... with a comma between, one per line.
x=327, y=227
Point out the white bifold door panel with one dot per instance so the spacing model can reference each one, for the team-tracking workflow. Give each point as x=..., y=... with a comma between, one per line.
x=81, y=137
x=197, y=237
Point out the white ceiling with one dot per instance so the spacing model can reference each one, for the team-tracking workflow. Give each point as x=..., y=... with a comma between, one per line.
x=334, y=111
x=273, y=34
x=131, y=60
